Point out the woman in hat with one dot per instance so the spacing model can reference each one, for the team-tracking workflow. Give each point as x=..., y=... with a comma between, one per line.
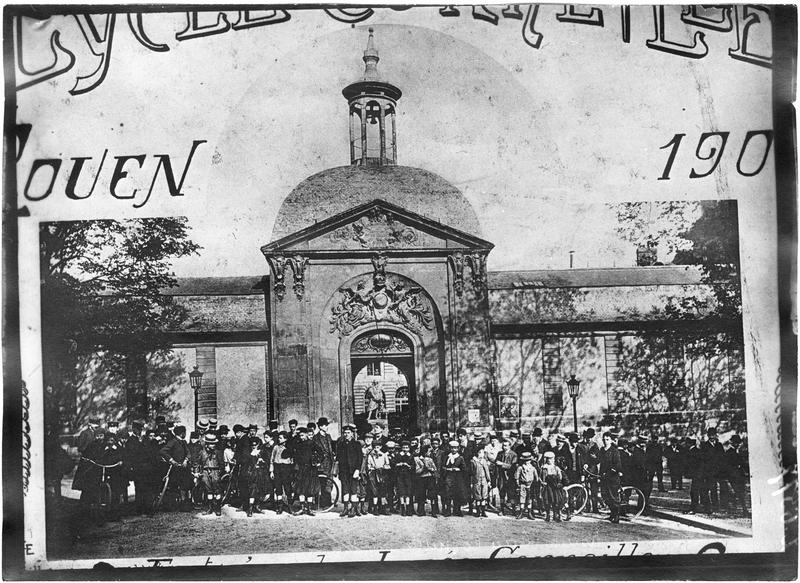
x=553, y=494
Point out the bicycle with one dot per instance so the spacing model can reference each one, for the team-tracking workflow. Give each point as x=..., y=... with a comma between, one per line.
x=576, y=498
x=335, y=493
x=632, y=500
x=198, y=493
x=105, y=494
x=160, y=498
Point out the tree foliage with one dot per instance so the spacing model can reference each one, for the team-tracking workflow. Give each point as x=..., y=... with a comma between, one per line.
x=101, y=284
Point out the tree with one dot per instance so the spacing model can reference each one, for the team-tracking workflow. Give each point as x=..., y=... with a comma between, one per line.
x=704, y=234
x=103, y=308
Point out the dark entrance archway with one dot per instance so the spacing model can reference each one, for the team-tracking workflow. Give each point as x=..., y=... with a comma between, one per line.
x=384, y=381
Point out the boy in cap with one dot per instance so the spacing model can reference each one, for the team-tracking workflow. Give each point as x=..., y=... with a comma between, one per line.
x=280, y=470
x=210, y=466
x=377, y=467
x=526, y=475
x=256, y=472
x=363, y=481
x=425, y=474
x=391, y=452
x=403, y=470
x=454, y=470
x=350, y=458
x=480, y=481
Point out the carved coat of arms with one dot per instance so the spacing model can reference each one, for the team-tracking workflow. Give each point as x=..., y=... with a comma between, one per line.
x=385, y=300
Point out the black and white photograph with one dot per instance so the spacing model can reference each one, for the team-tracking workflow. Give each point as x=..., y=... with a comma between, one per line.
x=368, y=284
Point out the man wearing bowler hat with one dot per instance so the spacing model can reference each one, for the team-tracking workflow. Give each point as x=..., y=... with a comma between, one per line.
x=323, y=446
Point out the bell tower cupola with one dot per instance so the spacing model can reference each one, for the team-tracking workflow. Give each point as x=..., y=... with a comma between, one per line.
x=372, y=104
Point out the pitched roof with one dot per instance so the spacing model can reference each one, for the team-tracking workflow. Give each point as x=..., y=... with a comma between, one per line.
x=216, y=286
x=596, y=277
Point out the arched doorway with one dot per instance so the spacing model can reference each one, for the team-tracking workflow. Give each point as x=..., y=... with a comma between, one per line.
x=384, y=379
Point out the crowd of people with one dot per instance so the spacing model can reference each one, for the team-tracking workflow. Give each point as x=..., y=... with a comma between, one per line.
x=290, y=471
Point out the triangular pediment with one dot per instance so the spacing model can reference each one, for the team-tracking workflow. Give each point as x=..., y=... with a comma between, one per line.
x=377, y=225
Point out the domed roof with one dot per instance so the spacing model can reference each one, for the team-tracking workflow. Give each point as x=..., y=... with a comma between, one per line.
x=336, y=190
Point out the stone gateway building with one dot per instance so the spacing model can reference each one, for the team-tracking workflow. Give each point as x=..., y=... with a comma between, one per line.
x=376, y=302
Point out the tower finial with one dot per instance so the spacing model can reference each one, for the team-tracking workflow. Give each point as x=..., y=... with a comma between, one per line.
x=371, y=59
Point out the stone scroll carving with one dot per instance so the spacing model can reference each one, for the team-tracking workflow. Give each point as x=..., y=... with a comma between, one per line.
x=476, y=263
x=278, y=264
x=376, y=229
x=381, y=299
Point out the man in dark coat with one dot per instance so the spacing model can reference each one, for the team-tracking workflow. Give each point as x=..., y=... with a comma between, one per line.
x=350, y=456
x=737, y=471
x=675, y=455
x=638, y=467
x=588, y=455
x=714, y=459
x=91, y=444
x=506, y=486
x=610, y=473
x=142, y=466
x=85, y=442
x=323, y=445
x=654, y=461
x=696, y=470
x=176, y=453
x=306, y=465
x=241, y=459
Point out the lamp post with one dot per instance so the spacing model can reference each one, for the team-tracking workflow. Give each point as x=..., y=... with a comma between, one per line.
x=573, y=385
x=195, y=380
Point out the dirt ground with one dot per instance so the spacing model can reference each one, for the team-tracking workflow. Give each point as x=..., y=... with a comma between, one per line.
x=190, y=533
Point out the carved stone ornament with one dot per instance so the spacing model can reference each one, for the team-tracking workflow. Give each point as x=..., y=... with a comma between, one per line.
x=457, y=263
x=391, y=302
x=278, y=265
x=376, y=229
x=298, y=263
x=381, y=342
x=476, y=262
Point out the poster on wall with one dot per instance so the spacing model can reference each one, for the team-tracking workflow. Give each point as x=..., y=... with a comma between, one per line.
x=383, y=284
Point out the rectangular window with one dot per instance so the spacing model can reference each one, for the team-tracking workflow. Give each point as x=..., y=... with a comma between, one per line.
x=374, y=369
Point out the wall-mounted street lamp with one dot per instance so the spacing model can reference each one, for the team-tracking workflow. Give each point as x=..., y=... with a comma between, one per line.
x=195, y=381
x=573, y=385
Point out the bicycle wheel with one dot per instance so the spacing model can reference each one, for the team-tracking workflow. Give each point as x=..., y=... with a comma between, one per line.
x=198, y=496
x=576, y=499
x=229, y=488
x=160, y=498
x=334, y=490
x=633, y=501
x=104, y=496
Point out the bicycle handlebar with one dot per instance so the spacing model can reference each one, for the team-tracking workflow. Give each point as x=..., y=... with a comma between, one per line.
x=91, y=461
